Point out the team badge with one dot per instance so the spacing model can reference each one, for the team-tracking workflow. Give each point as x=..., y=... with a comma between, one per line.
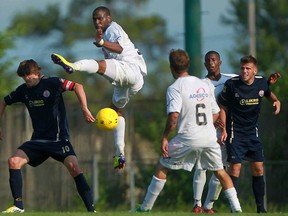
x=261, y=93
x=242, y=102
x=46, y=93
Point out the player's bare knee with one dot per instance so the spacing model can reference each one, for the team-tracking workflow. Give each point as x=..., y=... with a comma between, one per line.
x=258, y=171
x=14, y=162
x=220, y=174
x=74, y=169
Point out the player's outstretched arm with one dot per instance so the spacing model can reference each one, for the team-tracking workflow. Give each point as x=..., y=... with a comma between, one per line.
x=81, y=95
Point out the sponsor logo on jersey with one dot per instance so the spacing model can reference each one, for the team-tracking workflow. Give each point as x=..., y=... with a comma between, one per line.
x=251, y=101
x=199, y=95
x=36, y=103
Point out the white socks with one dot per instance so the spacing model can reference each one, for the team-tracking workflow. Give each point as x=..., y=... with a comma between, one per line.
x=213, y=192
x=153, y=191
x=88, y=65
x=199, y=181
x=119, y=133
x=231, y=195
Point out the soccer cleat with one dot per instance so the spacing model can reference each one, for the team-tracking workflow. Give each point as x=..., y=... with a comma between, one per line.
x=13, y=209
x=236, y=211
x=119, y=161
x=197, y=209
x=139, y=210
x=261, y=211
x=60, y=60
x=209, y=211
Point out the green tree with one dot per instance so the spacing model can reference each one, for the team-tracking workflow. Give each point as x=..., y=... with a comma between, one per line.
x=6, y=81
x=271, y=47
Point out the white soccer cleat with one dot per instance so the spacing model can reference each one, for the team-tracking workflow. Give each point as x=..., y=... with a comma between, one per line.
x=13, y=209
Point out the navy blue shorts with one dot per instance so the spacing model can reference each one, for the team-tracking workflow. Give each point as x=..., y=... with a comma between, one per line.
x=249, y=149
x=39, y=151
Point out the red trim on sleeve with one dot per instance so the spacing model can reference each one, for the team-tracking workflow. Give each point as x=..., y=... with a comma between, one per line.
x=68, y=85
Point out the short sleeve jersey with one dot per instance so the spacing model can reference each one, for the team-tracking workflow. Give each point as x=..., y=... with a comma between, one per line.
x=194, y=100
x=219, y=84
x=115, y=33
x=243, y=104
x=45, y=106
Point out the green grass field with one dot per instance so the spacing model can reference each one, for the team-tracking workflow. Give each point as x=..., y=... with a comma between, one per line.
x=130, y=214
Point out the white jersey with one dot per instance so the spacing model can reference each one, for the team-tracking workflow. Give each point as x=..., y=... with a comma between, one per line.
x=219, y=84
x=115, y=33
x=195, y=102
x=218, y=87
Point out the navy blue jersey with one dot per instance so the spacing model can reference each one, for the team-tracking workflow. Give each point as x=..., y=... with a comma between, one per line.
x=243, y=104
x=46, y=107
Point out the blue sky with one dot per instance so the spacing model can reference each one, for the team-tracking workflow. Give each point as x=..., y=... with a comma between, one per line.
x=215, y=36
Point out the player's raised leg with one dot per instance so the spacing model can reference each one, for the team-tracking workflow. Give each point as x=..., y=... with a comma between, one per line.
x=88, y=65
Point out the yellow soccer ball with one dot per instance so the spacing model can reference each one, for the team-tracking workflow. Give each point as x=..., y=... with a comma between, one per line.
x=107, y=119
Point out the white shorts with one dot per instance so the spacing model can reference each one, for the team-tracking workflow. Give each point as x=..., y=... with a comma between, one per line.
x=184, y=156
x=126, y=78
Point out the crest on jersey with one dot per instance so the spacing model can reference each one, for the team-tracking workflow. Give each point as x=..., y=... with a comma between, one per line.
x=46, y=93
x=261, y=93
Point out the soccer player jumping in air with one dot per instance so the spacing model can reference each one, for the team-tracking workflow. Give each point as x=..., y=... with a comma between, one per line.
x=124, y=67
